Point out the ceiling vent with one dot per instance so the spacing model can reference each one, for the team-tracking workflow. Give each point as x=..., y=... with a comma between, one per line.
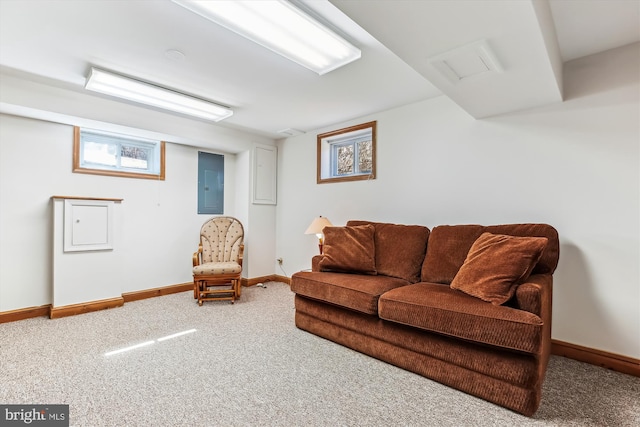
x=290, y=132
x=466, y=62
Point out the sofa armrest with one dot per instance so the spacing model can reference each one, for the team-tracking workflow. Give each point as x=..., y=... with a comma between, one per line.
x=534, y=295
x=315, y=262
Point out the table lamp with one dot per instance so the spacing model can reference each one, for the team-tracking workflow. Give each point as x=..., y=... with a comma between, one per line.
x=316, y=227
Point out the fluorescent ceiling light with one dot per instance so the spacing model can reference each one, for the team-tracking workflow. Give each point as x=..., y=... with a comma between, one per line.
x=149, y=94
x=281, y=27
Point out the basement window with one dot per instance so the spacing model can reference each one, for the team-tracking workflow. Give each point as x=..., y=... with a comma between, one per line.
x=347, y=154
x=105, y=153
x=351, y=157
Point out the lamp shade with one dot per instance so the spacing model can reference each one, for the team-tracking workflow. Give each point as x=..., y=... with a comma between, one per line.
x=317, y=225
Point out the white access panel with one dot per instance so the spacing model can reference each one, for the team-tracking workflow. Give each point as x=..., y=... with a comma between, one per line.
x=88, y=225
x=265, y=158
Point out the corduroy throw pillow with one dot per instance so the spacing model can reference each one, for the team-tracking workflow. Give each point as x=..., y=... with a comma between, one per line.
x=400, y=249
x=496, y=264
x=349, y=249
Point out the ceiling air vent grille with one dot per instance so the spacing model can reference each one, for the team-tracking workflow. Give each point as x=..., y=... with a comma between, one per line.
x=290, y=132
x=466, y=62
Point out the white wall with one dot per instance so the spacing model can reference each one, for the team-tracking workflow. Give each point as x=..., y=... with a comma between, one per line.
x=574, y=165
x=160, y=223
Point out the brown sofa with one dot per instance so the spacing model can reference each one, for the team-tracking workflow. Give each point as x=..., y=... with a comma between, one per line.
x=468, y=306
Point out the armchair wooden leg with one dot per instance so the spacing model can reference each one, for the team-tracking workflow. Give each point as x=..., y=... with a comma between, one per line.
x=205, y=288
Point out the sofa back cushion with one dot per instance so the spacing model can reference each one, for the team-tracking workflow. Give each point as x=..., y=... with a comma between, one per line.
x=450, y=244
x=400, y=249
x=551, y=253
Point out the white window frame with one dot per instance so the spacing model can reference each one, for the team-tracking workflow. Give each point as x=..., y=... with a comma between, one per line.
x=346, y=142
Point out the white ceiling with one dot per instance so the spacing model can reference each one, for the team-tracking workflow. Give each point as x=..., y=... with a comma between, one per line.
x=59, y=40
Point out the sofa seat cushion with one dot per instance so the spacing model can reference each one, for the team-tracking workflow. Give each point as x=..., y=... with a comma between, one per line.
x=353, y=291
x=438, y=308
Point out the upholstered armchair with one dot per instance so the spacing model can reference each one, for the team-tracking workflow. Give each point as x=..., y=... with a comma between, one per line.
x=217, y=265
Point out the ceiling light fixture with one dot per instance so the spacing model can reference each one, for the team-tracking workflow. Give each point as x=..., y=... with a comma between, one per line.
x=157, y=96
x=281, y=27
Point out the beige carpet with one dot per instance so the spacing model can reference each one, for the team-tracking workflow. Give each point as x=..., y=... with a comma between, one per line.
x=247, y=365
